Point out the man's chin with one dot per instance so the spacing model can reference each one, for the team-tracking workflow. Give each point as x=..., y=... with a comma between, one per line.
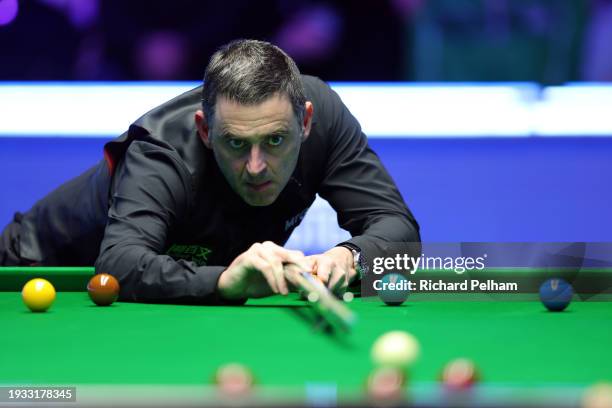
x=259, y=200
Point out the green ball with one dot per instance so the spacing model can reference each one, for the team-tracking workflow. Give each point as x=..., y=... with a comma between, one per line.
x=394, y=289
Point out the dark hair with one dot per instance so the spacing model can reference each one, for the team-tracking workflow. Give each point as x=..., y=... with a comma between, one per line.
x=249, y=72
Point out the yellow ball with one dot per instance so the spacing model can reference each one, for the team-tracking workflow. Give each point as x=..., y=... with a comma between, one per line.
x=38, y=294
x=395, y=349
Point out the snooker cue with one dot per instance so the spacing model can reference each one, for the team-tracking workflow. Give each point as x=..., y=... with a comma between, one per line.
x=325, y=303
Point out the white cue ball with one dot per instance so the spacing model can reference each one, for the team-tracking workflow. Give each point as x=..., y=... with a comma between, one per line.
x=395, y=349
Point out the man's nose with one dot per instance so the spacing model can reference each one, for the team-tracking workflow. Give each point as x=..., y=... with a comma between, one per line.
x=256, y=163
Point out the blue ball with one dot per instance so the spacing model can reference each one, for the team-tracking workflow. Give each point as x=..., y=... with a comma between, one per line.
x=397, y=296
x=556, y=294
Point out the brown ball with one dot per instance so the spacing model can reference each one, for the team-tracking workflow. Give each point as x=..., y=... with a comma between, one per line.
x=103, y=289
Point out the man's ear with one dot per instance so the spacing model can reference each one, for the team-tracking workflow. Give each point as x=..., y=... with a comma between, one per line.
x=202, y=126
x=307, y=123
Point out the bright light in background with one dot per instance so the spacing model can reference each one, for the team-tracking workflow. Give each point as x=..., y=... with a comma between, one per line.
x=462, y=110
x=8, y=11
x=398, y=110
x=574, y=110
x=66, y=109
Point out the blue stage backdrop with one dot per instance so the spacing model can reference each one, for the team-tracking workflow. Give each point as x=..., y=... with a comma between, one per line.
x=474, y=162
x=462, y=189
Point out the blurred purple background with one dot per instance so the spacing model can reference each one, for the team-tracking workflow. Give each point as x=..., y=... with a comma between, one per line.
x=550, y=42
x=551, y=188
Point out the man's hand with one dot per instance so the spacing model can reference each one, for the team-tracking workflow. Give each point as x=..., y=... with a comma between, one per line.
x=259, y=272
x=335, y=268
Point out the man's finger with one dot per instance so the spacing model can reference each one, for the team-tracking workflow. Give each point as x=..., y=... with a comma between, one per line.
x=264, y=267
x=291, y=271
x=338, y=281
x=268, y=251
x=290, y=255
x=279, y=275
x=324, y=269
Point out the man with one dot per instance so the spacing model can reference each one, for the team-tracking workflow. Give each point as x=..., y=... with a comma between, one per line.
x=219, y=176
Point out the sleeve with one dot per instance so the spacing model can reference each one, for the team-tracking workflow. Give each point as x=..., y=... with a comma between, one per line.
x=151, y=195
x=359, y=188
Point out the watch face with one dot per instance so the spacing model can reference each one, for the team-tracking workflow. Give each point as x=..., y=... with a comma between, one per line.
x=356, y=256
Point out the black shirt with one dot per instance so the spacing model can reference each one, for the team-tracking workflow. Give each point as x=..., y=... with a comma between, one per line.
x=170, y=223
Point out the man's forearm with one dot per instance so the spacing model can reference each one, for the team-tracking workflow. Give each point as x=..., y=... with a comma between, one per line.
x=148, y=277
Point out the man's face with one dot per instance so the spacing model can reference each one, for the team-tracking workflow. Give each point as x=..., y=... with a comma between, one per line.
x=256, y=146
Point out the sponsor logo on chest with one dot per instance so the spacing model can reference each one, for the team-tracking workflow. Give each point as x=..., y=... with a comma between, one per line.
x=295, y=220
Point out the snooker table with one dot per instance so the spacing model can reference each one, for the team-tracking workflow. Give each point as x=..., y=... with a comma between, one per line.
x=163, y=354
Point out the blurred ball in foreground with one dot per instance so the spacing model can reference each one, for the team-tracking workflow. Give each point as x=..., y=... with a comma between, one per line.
x=395, y=349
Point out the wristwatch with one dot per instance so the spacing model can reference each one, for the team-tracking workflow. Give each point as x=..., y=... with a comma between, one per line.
x=357, y=260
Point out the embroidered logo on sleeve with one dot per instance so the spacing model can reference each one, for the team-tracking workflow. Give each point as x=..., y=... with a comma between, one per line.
x=194, y=253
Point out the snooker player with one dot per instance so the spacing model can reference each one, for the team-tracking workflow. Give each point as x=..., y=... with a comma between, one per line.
x=194, y=202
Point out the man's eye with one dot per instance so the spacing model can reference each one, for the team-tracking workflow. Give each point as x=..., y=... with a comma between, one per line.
x=236, y=143
x=275, y=140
